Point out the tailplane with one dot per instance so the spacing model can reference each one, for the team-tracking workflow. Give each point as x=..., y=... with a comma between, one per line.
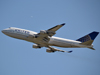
x=88, y=39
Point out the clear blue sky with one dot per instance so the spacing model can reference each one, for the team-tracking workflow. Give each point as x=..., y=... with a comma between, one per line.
x=17, y=57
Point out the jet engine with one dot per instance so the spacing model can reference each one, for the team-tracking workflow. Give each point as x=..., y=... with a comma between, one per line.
x=49, y=50
x=33, y=36
x=36, y=46
x=50, y=33
x=43, y=32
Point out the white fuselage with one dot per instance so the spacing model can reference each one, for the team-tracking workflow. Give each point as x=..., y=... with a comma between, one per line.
x=54, y=41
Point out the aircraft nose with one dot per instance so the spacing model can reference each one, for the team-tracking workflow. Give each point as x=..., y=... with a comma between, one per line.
x=4, y=31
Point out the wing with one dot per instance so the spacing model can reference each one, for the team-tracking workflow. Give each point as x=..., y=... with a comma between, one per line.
x=53, y=29
x=44, y=35
x=50, y=32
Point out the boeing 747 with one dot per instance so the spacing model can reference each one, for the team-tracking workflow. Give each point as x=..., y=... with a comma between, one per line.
x=45, y=38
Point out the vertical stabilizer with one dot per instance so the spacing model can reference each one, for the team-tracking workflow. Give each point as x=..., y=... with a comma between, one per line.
x=88, y=39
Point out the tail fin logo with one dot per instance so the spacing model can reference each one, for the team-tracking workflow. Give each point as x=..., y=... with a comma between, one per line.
x=84, y=39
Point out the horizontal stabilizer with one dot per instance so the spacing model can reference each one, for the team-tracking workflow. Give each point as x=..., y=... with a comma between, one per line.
x=91, y=48
x=87, y=42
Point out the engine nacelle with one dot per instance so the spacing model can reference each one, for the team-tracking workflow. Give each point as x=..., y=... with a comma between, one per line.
x=50, y=33
x=36, y=46
x=33, y=36
x=49, y=50
x=43, y=32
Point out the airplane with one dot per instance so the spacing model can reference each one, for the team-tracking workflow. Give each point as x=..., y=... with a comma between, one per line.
x=46, y=39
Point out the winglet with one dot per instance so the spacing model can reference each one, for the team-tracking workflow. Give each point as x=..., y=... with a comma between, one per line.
x=70, y=51
x=63, y=24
